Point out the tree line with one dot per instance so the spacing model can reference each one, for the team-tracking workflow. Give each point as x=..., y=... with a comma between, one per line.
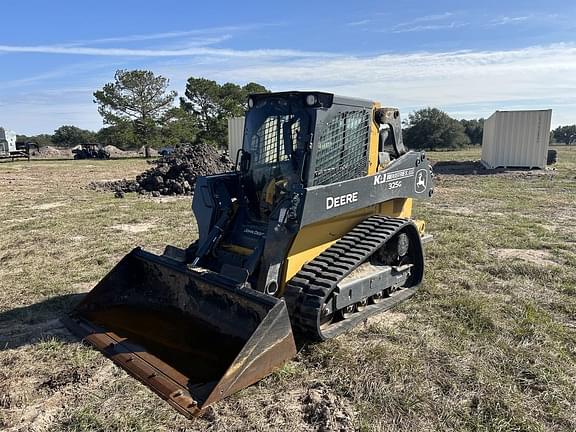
x=431, y=128
x=137, y=109
x=564, y=134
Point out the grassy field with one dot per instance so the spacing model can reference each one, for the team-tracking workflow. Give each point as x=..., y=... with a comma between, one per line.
x=488, y=343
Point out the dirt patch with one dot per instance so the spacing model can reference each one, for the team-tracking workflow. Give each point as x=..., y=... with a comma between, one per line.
x=5, y=399
x=326, y=412
x=387, y=319
x=169, y=199
x=461, y=211
x=48, y=206
x=295, y=407
x=82, y=287
x=63, y=378
x=477, y=210
x=18, y=221
x=538, y=257
x=133, y=228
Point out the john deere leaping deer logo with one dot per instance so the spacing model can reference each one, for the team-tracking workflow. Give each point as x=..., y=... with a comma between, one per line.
x=420, y=181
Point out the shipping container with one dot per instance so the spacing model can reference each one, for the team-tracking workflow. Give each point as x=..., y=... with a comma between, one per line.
x=235, y=136
x=516, y=139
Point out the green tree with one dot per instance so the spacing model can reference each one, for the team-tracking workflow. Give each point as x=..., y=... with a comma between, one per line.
x=211, y=104
x=565, y=134
x=179, y=127
x=137, y=97
x=70, y=136
x=42, y=140
x=474, y=129
x=431, y=128
x=121, y=135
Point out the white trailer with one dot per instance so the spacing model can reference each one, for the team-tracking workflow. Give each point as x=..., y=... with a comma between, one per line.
x=7, y=141
x=11, y=149
x=516, y=139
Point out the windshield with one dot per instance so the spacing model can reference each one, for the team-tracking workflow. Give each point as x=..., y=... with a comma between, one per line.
x=277, y=134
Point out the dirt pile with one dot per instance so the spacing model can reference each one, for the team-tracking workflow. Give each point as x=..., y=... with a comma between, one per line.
x=174, y=174
x=116, y=152
x=54, y=152
x=326, y=412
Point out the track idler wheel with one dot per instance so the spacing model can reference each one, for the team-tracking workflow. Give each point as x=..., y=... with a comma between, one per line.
x=348, y=311
x=361, y=305
x=326, y=317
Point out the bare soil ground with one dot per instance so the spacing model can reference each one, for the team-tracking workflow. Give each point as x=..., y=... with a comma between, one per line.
x=488, y=343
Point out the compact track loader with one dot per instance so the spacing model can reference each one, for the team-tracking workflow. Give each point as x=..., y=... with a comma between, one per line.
x=311, y=234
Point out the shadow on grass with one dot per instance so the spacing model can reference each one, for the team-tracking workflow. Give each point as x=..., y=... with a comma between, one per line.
x=28, y=325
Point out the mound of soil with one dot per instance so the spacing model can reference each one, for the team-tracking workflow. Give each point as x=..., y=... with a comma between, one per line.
x=54, y=152
x=173, y=174
x=114, y=151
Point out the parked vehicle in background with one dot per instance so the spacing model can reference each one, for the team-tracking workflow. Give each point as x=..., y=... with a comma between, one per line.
x=90, y=151
x=165, y=151
x=12, y=149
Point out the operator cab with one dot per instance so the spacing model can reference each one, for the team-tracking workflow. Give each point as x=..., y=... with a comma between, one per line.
x=278, y=134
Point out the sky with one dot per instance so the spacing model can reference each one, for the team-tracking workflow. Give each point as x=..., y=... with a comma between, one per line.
x=466, y=58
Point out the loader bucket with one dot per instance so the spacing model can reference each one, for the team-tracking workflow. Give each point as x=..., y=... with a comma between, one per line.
x=191, y=336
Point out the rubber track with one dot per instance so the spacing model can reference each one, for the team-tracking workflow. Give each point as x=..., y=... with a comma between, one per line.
x=307, y=291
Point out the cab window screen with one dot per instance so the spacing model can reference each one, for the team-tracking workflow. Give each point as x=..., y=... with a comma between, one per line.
x=343, y=148
x=267, y=144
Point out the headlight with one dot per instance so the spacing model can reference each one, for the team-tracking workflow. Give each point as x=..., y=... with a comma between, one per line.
x=311, y=100
x=250, y=103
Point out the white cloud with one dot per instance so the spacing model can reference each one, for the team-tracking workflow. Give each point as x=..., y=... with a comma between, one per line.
x=429, y=27
x=409, y=23
x=195, y=37
x=541, y=76
x=164, y=35
x=539, y=18
x=509, y=20
x=465, y=83
x=426, y=23
x=427, y=18
x=358, y=23
x=185, y=52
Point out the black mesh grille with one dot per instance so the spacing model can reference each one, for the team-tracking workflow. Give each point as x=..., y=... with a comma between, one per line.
x=343, y=148
x=267, y=146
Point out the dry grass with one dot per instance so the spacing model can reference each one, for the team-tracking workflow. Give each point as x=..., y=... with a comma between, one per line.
x=489, y=343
